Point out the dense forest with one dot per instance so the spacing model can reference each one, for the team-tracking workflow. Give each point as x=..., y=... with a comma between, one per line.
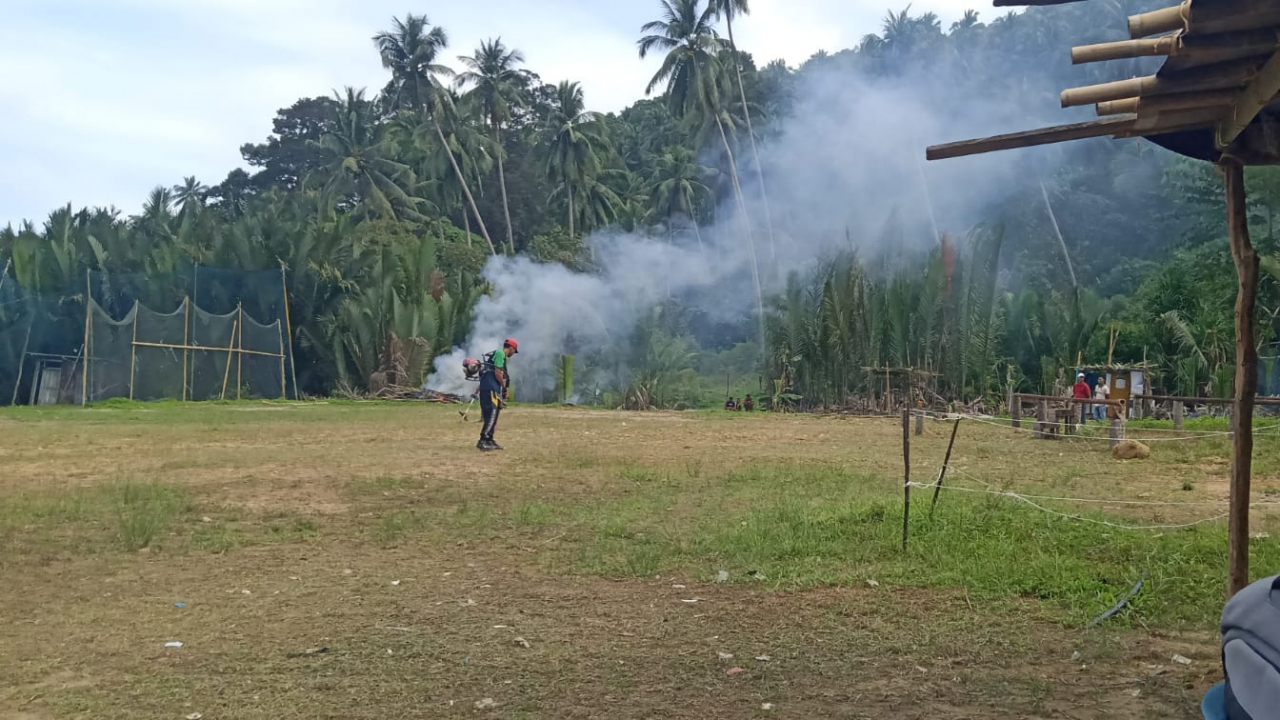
x=768, y=226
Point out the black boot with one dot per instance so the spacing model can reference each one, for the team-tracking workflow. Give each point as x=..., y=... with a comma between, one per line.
x=494, y=445
x=484, y=444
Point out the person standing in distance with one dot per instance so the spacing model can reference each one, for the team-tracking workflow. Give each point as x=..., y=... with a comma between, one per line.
x=494, y=381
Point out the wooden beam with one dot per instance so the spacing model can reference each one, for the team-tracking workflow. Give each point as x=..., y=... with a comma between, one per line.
x=1246, y=261
x=1224, y=76
x=1164, y=103
x=1101, y=52
x=1249, y=102
x=1159, y=21
x=1031, y=138
x=1155, y=122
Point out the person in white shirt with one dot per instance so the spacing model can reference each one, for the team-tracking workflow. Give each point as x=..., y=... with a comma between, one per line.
x=1100, y=392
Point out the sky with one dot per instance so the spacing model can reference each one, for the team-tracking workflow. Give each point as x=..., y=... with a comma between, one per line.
x=102, y=100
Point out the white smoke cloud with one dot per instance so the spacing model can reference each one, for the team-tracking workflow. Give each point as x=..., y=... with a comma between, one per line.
x=845, y=170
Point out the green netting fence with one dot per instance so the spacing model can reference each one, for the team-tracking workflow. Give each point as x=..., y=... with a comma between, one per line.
x=186, y=354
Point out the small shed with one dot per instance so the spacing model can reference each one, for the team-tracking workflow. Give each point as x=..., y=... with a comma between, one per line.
x=1124, y=380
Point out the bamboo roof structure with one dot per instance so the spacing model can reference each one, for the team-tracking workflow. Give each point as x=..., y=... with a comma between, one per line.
x=1215, y=98
x=1217, y=93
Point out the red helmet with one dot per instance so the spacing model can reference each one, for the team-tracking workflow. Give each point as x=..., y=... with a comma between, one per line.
x=511, y=343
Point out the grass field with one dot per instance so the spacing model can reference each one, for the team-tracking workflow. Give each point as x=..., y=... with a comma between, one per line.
x=363, y=560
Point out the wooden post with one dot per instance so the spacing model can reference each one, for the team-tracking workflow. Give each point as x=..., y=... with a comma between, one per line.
x=1246, y=261
x=1117, y=430
x=22, y=361
x=919, y=418
x=284, y=392
x=239, y=347
x=288, y=326
x=1015, y=411
x=133, y=350
x=186, y=342
x=906, y=474
x=937, y=487
x=888, y=391
x=1042, y=420
x=88, y=307
x=1178, y=411
x=226, y=372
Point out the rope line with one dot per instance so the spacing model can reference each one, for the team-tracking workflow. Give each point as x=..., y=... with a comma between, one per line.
x=1070, y=516
x=1103, y=501
x=989, y=420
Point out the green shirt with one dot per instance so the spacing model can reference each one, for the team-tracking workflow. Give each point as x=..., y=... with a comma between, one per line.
x=500, y=360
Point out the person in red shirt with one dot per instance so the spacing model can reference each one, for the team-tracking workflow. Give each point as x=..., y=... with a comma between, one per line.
x=1082, y=391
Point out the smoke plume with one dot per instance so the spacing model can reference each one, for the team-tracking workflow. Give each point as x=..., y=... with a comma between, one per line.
x=845, y=170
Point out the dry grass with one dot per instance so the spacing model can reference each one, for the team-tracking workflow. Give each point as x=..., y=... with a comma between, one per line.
x=574, y=539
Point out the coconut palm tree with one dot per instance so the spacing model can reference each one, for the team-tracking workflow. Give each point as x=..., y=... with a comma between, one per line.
x=687, y=34
x=678, y=186
x=695, y=80
x=358, y=165
x=496, y=86
x=410, y=52
x=464, y=145
x=728, y=9
x=574, y=144
x=190, y=197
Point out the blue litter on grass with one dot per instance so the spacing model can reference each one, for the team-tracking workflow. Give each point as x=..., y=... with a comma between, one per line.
x=179, y=604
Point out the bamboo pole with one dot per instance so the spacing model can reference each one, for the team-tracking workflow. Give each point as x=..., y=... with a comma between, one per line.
x=1221, y=76
x=1065, y=399
x=84, y=379
x=1101, y=52
x=288, y=326
x=22, y=361
x=1246, y=261
x=1271, y=401
x=1167, y=103
x=1160, y=21
x=186, y=340
x=133, y=350
x=284, y=392
x=226, y=373
x=906, y=473
x=937, y=486
x=171, y=346
x=239, y=349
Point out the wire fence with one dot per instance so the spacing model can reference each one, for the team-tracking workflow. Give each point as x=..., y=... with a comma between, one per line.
x=1193, y=435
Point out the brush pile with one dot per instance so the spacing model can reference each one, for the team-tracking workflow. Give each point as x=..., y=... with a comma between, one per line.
x=436, y=396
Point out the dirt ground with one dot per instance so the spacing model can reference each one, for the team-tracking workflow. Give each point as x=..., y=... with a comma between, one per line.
x=349, y=561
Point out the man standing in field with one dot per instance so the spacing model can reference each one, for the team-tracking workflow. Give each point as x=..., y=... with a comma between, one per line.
x=494, y=381
x=1101, y=391
x=1081, y=391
